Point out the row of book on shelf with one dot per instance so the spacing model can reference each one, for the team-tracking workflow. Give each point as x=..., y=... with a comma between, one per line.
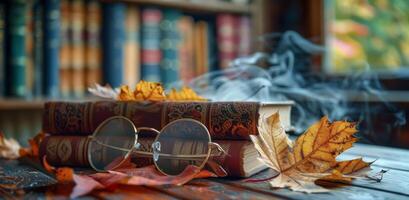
x=58, y=48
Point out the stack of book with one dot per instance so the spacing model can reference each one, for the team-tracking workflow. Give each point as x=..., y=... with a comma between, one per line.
x=58, y=48
x=69, y=124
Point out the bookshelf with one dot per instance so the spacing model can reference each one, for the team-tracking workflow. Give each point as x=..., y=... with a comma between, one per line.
x=255, y=9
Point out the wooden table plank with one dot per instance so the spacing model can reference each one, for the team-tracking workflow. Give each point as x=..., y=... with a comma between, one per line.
x=358, y=191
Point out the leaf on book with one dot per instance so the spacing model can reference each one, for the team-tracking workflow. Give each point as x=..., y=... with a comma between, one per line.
x=104, y=91
x=146, y=90
x=62, y=174
x=9, y=148
x=310, y=157
x=184, y=94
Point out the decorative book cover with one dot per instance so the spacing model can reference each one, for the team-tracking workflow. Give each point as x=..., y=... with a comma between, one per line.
x=92, y=39
x=113, y=38
x=132, y=54
x=77, y=23
x=150, y=44
x=226, y=38
x=240, y=161
x=225, y=120
x=65, y=49
x=169, y=45
x=51, y=48
x=186, y=53
x=17, y=48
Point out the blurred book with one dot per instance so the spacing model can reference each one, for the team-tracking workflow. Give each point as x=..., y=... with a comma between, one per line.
x=65, y=49
x=150, y=44
x=113, y=39
x=186, y=53
x=131, y=52
x=2, y=49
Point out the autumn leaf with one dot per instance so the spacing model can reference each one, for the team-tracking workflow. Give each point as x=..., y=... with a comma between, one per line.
x=62, y=174
x=184, y=94
x=9, y=148
x=310, y=157
x=34, y=148
x=146, y=90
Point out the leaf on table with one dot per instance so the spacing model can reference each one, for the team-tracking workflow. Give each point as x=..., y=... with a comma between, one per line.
x=34, y=148
x=310, y=157
x=62, y=174
x=148, y=176
x=184, y=94
x=9, y=148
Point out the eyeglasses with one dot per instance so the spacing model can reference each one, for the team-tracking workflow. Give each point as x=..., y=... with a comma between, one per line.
x=180, y=143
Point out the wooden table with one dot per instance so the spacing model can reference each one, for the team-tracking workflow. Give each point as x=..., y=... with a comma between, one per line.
x=395, y=184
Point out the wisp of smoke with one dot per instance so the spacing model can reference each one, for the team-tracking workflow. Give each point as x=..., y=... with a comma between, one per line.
x=314, y=97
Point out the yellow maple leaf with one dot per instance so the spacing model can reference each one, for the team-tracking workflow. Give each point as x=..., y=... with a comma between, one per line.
x=184, y=94
x=125, y=94
x=310, y=157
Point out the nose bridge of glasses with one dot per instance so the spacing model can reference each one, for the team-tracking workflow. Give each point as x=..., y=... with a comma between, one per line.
x=139, y=129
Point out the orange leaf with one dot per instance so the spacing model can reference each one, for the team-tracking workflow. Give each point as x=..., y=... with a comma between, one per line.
x=47, y=166
x=184, y=94
x=152, y=91
x=64, y=174
x=125, y=94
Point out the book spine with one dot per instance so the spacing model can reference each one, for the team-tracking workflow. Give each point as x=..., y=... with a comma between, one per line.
x=73, y=151
x=29, y=50
x=132, y=54
x=77, y=47
x=17, y=48
x=113, y=37
x=226, y=38
x=211, y=46
x=225, y=120
x=169, y=44
x=37, y=48
x=51, y=47
x=93, y=52
x=2, y=49
x=186, y=56
x=244, y=35
x=150, y=44
x=65, y=50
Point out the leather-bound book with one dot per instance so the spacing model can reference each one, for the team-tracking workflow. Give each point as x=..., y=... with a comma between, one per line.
x=225, y=120
x=240, y=160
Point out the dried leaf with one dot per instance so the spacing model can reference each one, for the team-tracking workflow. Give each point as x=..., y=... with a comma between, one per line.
x=147, y=176
x=184, y=94
x=62, y=174
x=9, y=148
x=34, y=148
x=125, y=94
x=152, y=91
x=310, y=157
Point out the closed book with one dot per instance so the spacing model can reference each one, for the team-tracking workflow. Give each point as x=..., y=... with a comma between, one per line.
x=51, y=52
x=200, y=48
x=186, y=53
x=240, y=160
x=2, y=49
x=132, y=54
x=225, y=120
x=17, y=57
x=150, y=44
x=65, y=49
x=29, y=49
x=93, y=58
x=77, y=48
x=169, y=46
x=113, y=38
x=226, y=38
x=212, y=60
x=38, y=12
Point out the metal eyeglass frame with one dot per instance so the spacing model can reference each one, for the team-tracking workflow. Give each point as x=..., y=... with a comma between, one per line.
x=156, y=146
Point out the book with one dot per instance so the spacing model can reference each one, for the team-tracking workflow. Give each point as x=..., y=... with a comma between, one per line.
x=77, y=69
x=151, y=55
x=244, y=36
x=16, y=36
x=65, y=49
x=29, y=50
x=226, y=38
x=38, y=12
x=51, y=48
x=186, y=53
x=201, y=49
x=169, y=46
x=113, y=38
x=240, y=161
x=2, y=49
x=225, y=120
x=93, y=48
x=132, y=54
